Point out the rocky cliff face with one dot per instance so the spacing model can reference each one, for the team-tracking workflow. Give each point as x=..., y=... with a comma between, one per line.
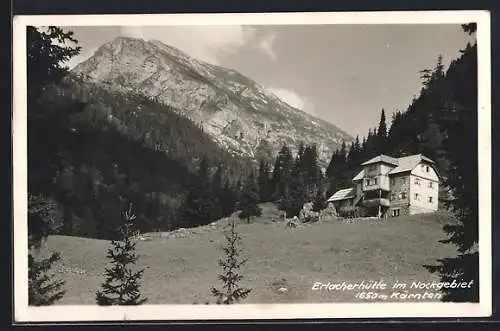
x=235, y=111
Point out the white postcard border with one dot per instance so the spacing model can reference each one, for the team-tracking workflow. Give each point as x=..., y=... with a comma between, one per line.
x=24, y=313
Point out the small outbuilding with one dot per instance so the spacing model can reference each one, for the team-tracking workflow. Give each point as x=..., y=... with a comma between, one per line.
x=343, y=201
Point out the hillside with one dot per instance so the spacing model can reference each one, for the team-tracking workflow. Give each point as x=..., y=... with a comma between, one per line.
x=279, y=257
x=96, y=149
x=239, y=114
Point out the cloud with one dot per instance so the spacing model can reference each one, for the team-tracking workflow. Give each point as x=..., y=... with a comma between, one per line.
x=266, y=45
x=133, y=32
x=293, y=99
x=200, y=42
x=205, y=43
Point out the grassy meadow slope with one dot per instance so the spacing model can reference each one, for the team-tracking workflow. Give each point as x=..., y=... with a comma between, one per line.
x=180, y=270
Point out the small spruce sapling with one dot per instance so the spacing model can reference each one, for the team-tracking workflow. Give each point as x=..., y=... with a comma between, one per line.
x=231, y=291
x=121, y=286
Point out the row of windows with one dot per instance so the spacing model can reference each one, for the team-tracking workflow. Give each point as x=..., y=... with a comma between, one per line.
x=402, y=196
x=393, y=181
x=374, y=167
x=417, y=197
x=418, y=181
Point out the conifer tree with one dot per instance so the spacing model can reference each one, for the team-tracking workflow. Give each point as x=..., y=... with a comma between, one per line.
x=47, y=51
x=461, y=148
x=357, y=146
x=282, y=171
x=354, y=158
x=362, y=150
x=382, y=134
x=264, y=182
x=249, y=200
x=198, y=207
x=382, y=126
x=319, y=202
x=217, y=193
x=343, y=179
x=345, y=164
x=285, y=202
x=297, y=193
x=332, y=165
x=121, y=286
x=310, y=171
x=469, y=28
x=336, y=171
x=430, y=77
x=43, y=289
x=393, y=135
x=431, y=143
x=300, y=150
x=228, y=199
x=370, y=149
x=231, y=292
x=237, y=191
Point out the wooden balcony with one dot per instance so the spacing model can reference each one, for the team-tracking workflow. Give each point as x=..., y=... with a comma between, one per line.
x=347, y=208
x=376, y=202
x=380, y=182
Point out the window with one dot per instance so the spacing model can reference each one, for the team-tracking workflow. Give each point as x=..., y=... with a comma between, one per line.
x=403, y=181
x=374, y=181
x=393, y=181
x=427, y=169
x=417, y=196
x=403, y=195
x=393, y=196
x=373, y=168
x=430, y=199
x=395, y=212
x=430, y=184
x=417, y=181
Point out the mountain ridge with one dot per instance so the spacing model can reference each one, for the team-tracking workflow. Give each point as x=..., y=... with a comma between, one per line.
x=237, y=112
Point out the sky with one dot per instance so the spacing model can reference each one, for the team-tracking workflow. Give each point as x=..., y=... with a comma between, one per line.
x=344, y=74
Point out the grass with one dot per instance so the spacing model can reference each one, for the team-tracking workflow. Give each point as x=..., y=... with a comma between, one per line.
x=181, y=270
